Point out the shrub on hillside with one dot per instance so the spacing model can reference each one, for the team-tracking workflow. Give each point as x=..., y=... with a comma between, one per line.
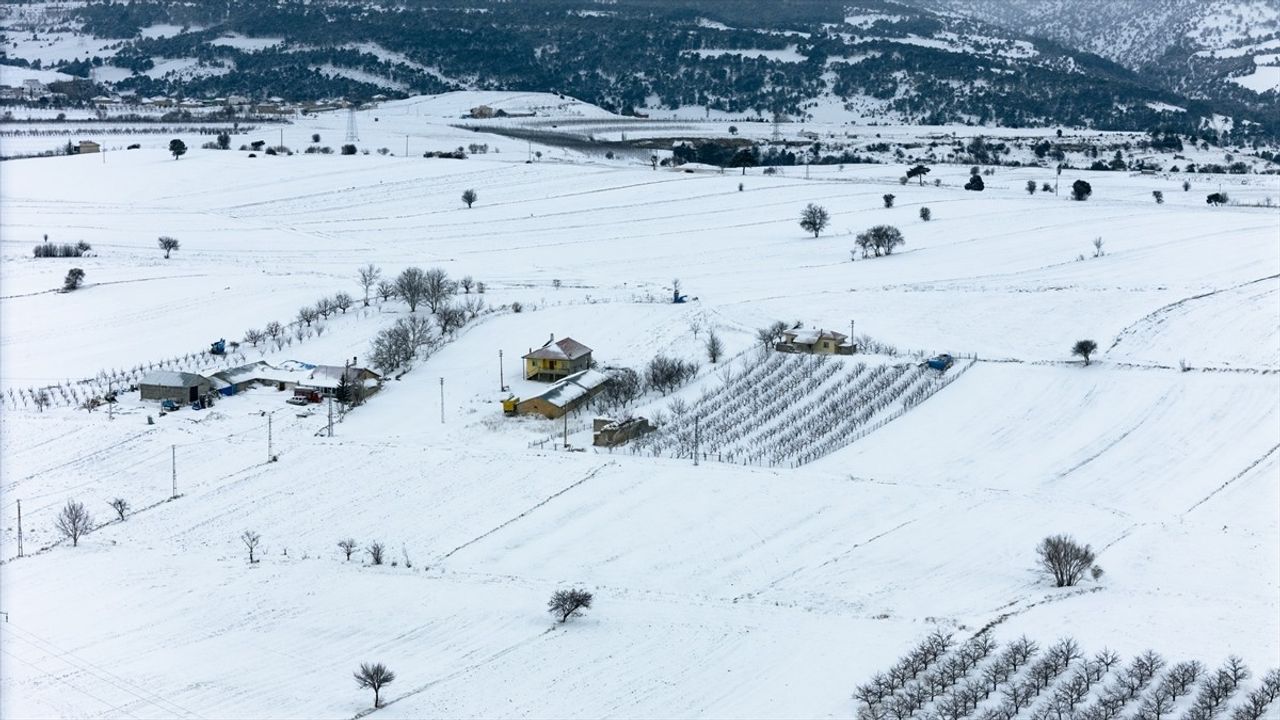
x=567, y=603
x=880, y=239
x=665, y=374
x=1065, y=559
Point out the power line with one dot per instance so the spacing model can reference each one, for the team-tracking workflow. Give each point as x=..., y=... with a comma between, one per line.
x=68, y=683
x=100, y=673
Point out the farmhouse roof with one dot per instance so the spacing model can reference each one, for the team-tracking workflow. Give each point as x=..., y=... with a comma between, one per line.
x=171, y=378
x=330, y=376
x=566, y=349
x=810, y=336
x=571, y=388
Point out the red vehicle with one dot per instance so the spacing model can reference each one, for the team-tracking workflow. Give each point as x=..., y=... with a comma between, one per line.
x=307, y=395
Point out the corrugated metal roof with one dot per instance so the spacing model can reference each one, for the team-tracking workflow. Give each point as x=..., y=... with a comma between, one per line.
x=566, y=349
x=171, y=378
x=571, y=388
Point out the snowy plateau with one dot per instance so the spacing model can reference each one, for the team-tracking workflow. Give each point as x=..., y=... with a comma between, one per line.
x=842, y=511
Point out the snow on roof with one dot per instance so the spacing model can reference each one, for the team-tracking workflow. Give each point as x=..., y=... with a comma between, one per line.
x=810, y=336
x=575, y=386
x=566, y=349
x=260, y=371
x=171, y=378
x=330, y=376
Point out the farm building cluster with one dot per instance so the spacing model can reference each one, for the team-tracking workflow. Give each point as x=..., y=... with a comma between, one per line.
x=310, y=382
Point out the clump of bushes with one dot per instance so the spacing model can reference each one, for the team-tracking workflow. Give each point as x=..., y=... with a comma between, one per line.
x=50, y=250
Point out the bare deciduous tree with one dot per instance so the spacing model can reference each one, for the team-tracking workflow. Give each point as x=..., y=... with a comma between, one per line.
x=469, y=197
x=348, y=547
x=375, y=677
x=74, y=521
x=622, y=387
x=450, y=317
x=411, y=286
x=369, y=276
x=814, y=219
x=771, y=334
x=168, y=245
x=1065, y=559
x=307, y=315
x=881, y=239
x=342, y=301
x=437, y=288
x=665, y=374
x=274, y=330
x=253, y=336
x=467, y=282
x=121, y=506
x=376, y=551
x=251, y=540
x=566, y=603
x=386, y=290
x=1084, y=348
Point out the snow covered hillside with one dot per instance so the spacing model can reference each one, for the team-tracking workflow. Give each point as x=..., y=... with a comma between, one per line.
x=768, y=585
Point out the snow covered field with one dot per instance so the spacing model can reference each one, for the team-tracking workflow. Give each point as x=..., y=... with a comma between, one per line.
x=721, y=590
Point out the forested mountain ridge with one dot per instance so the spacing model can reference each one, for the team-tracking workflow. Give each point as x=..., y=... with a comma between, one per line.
x=1221, y=50
x=865, y=60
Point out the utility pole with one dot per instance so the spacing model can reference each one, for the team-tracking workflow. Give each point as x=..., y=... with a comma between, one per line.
x=19, y=528
x=281, y=137
x=566, y=429
x=502, y=378
x=173, y=465
x=268, y=437
x=331, y=415
x=441, y=401
x=406, y=146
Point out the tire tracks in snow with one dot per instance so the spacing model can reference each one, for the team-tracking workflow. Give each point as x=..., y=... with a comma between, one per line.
x=1237, y=476
x=459, y=673
x=524, y=514
x=1152, y=316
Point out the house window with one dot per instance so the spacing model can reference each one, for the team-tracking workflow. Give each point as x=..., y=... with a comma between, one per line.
x=825, y=345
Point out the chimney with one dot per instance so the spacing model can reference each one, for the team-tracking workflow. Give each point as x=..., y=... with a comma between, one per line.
x=553, y=339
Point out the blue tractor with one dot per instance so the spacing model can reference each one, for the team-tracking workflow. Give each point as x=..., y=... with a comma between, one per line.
x=941, y=363
x=218, y=348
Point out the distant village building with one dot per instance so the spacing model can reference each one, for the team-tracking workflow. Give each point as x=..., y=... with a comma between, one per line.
x=180, y=387
x=325, y=379
x=34, y=88
x=816, y=341
x=481, y=112
x=556, y=360
x=563, y=396
x=88, y=146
